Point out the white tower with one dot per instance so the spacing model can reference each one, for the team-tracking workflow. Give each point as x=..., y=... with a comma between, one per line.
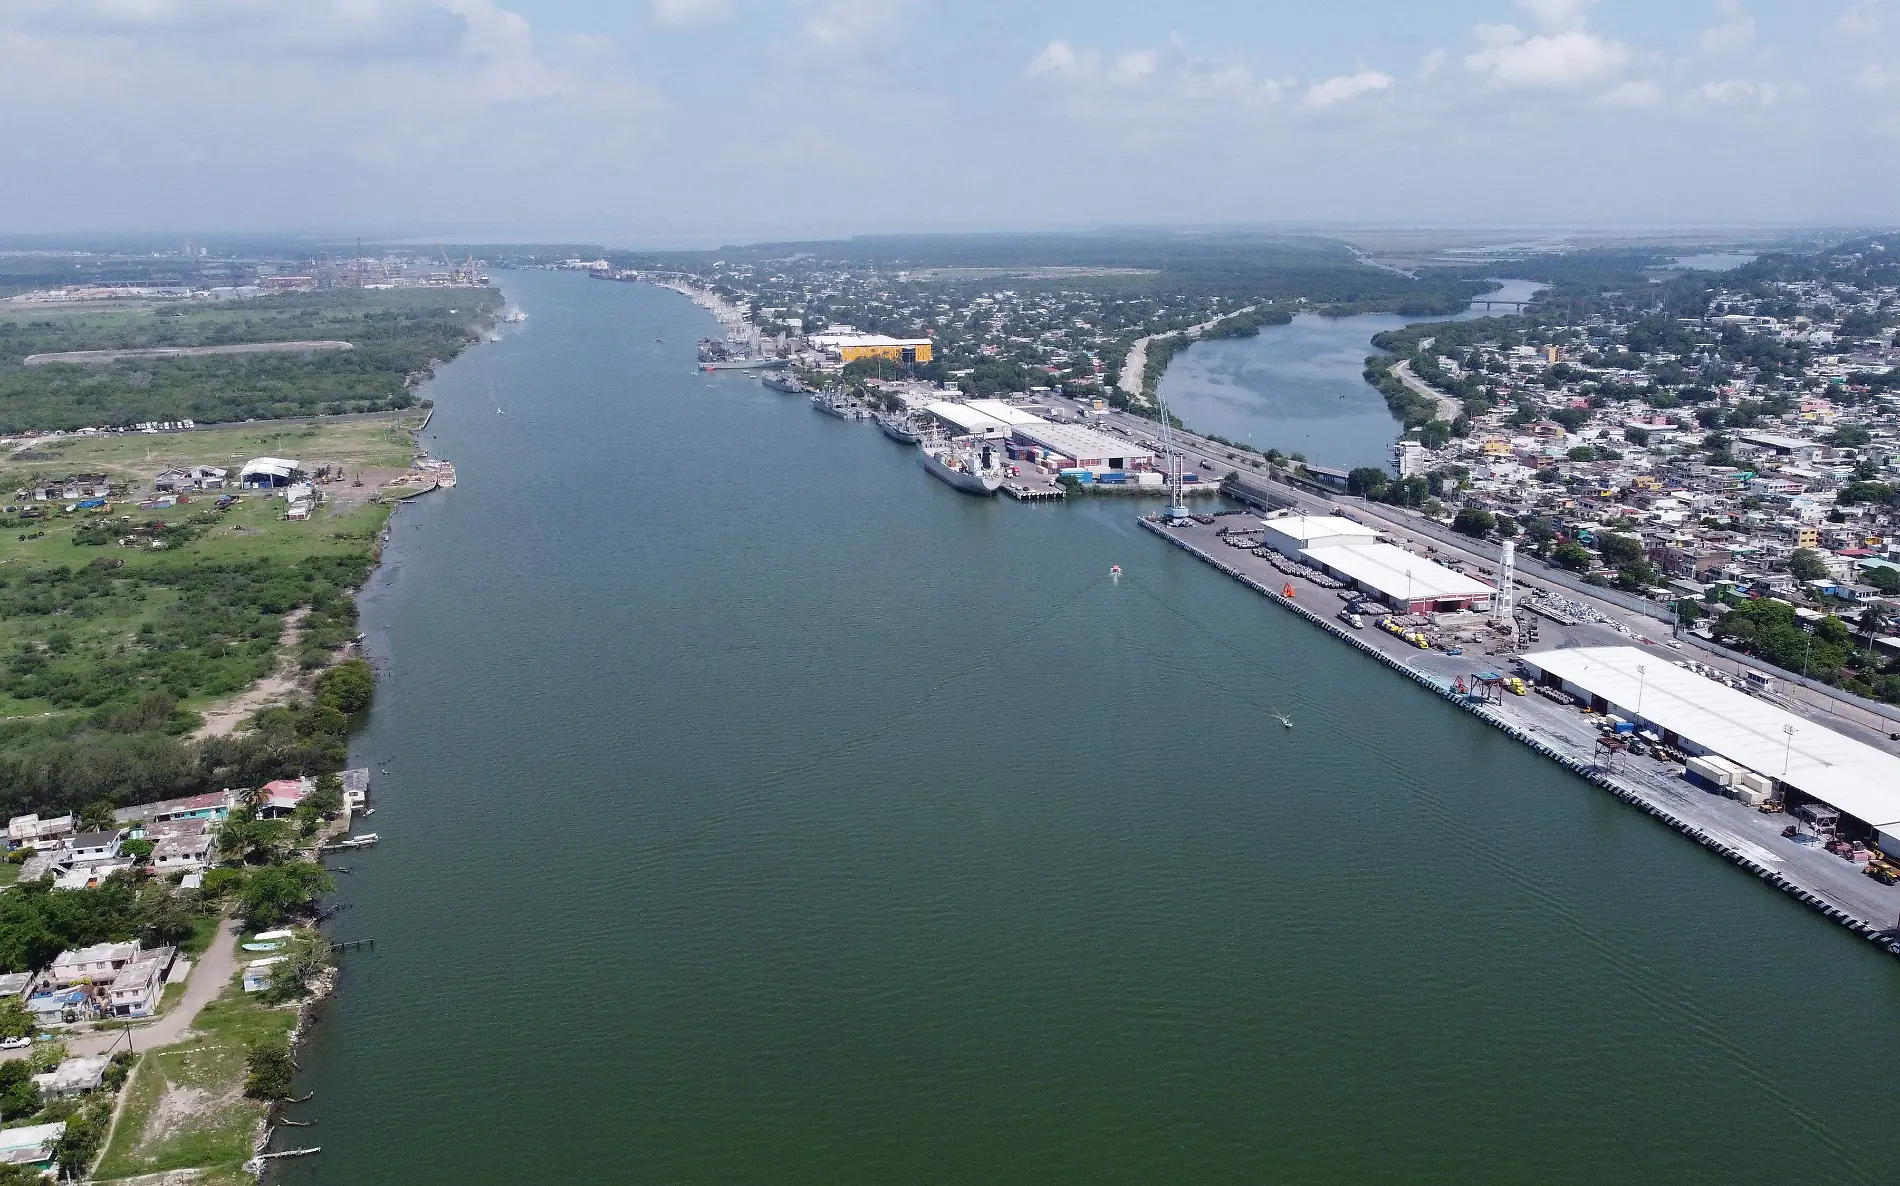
x=1503, y=606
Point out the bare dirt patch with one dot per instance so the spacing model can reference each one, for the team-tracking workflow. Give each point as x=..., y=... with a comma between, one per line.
x=222, y=719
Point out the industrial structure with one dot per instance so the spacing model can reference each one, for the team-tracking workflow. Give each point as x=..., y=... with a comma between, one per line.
x=1351, y=552
x=1805, y=761
x=855, y=347
x=1069, y=446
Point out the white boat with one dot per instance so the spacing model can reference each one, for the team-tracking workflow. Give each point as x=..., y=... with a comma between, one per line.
x=970, y=466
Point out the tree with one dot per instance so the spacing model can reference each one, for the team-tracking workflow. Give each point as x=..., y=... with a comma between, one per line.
x=1636, y=436
x=1365, y=479
x=15, y=1020
x=1883, y=578
x=97, y=817
x=1507, y=527
x=252, y=841
x=1620, y=551
x=19, y=1095
x=1582, y=453
x=293, y=978
x=1474, y=522
x=1849, y=436
x=275, y=894
x=1574, y=556
x=1688, y=611
x=1806, y=565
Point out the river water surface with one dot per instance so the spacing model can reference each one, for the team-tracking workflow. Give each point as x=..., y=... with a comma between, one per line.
x=1300, y=387
x=761, y=810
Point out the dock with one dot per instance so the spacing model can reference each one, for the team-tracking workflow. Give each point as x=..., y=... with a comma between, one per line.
x=1740, y=835
x=1039, y=492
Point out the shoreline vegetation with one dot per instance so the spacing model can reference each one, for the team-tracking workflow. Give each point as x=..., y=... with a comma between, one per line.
x=123, y=624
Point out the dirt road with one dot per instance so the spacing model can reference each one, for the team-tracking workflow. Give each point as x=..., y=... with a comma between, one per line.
x=208, y=979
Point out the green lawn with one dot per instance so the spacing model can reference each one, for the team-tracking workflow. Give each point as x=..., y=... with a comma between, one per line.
x=185, y=1106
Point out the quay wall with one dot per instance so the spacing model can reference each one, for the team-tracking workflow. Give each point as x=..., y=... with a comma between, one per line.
x=1888, y=941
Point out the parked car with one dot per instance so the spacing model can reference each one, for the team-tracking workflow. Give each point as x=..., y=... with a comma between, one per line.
x=15, y=1043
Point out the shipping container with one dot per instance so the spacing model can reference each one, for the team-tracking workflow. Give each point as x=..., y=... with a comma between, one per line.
x=1713, y=771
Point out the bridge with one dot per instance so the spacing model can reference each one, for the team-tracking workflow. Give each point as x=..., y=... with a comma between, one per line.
x=1515, y=306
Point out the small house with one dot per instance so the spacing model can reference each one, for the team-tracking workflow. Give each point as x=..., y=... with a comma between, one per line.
x=31, y=1145
x=73, y=1076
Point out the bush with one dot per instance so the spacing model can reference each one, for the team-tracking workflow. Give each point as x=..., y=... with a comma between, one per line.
x=268, y=1071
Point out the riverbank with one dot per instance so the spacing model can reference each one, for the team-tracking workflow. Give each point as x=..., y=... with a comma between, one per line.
x=1738, y=834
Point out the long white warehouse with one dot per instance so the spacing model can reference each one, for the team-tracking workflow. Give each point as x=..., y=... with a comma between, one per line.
x=1699, y=715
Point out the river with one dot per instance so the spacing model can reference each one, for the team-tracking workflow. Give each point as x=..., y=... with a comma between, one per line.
x=1300, y=387
x=761, y=810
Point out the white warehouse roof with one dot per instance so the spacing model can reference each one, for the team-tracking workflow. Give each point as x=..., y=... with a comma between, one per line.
x=1317, y=531
x=1083, y=444
x=277, y=467
x=966, y=419
x=1846, y=774
x=1397, y=573
x=999, y=410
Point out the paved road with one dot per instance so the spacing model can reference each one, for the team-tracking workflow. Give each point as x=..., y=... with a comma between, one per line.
x=1449, y=409
x=208, y=979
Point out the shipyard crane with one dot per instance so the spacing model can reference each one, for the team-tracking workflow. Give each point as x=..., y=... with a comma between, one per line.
x=1175, y=512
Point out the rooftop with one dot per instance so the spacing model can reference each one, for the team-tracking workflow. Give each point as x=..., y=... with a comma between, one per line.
x=1844, y=773
x=1398, y=573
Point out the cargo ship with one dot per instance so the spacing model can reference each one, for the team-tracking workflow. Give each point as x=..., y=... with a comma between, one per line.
x=969, y=466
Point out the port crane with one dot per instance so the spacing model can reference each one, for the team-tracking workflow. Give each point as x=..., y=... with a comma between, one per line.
x=1175, y=512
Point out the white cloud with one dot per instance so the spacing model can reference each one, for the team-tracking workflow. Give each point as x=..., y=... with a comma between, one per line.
x=1635, y=95
x=1734, y=34
x=1877, y=80
x=1431, y=64
x=689, y=14
x=1559, y=16
x=846, y=28
x=1324, y=96
x=1554, y=62
x=1230, y=81
x=1088, y=68
x=1732, y=92
x=1861, y=19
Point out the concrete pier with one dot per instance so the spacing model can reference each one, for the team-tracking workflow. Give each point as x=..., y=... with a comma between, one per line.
x=1817, y=879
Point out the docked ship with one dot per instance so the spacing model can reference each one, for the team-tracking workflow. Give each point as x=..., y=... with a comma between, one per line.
x=782, y=381
x=838, y=404
x=899, y=426
x=970, y=466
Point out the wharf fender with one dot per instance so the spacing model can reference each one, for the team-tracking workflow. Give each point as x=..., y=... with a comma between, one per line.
x=1888, y=941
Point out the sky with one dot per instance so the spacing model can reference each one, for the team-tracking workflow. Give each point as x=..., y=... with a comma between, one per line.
x=663, y=122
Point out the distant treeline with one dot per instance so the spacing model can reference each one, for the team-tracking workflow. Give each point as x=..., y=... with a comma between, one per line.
x=396, y=334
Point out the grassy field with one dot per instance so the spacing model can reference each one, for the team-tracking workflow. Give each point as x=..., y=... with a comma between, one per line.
x=132, y=604
x=396, y=335
x=185, y=1105
x=377, y=439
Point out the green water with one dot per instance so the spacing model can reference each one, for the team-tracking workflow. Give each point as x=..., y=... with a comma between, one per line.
x=762, y=810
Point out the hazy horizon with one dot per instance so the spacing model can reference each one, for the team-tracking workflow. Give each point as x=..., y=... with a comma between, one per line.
x=702, y=122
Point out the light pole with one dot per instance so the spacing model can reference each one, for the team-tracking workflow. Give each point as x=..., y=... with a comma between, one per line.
x=1642, y=678
x=1787, y=751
